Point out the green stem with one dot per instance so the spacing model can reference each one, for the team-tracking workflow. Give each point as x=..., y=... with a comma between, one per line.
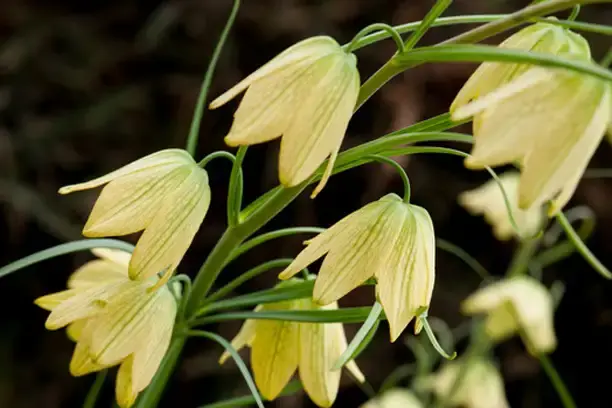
x=520, y=262
x=235, y=189
x=430, y=18
x=192, y=139
x=94, y=391
x=557, y=382
x=582, y=248
x=400, y=170
x=151, y=396
x=215, y=155
x=390, y=31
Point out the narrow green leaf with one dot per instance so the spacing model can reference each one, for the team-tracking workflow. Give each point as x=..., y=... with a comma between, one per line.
x=345, y=315
x=63, y=249
x=488, y=53
x=364, y=336
x=239, y=362
x=297, y=291
x=94, y=391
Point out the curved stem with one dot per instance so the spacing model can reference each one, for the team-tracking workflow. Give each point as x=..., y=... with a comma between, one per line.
x=520, y=261
x=186, y=281
x=399, y=169
x=464, y=256
x=574, y=14
x=268, y=236
x=192, y=139
x=557, y=382
x=215, y=155
x=582, y=248
x=392, y=32
x=432, y=337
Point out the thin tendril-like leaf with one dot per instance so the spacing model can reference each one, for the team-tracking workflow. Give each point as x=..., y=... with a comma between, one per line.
x=63, y=249
x=363, y=337
x=239, y=362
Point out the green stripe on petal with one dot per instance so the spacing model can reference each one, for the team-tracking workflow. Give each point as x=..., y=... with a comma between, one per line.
x=165, y=241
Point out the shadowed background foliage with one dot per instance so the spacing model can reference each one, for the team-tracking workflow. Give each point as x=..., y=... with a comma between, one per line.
x=86, y=87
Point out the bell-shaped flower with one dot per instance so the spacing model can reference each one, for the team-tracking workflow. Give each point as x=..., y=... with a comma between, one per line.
x=394, y=398
x=519, y=305
x=480, y=384
x=389, y=240
x=114, y=320
x=278, y=348
x=548, y=121
x=307, y=94
x=540, y=37
x=488, y=200
x=165, y=194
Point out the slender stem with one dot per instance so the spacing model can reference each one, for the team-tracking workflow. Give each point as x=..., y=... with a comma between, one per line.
x=430, y=18
x=464, y=256
x=607, y=59
x=574, y=14
x=268, y=236
x=245, y=277
x=392, y=32
x=150, y=397
x=582, y=248
x=520, y=262
x=433, y=340
x=478, y=18
x=557, y=382
x=94, y=391
x=192, y=139
x=400, y=170
x=215, y=155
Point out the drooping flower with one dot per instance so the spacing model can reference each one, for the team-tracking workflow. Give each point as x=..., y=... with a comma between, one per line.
x=387, y=239
x=519, y=305
x=488, y=200
x=114, y=320
x=394, y=398
x=548, y=121
x=165, y=194
x=306, y=94
x=481, y=385
x=278, y=348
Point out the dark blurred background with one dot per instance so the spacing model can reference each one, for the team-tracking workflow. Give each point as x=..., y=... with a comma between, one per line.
x=86, y=87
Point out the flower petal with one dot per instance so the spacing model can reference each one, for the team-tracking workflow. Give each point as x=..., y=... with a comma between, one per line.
x=318, y=350
x=96, y=273
x=130, y=203
x=165, y=241
x=302, y=53
x=163, y=158
x=82, y=363
x=128, y=318
x=116, y=256
x=319, y=125
x=405, y=281
x=350, y=263
x=337, y=235
x=274, y=355
x=245, y=336
x=124, y=386
x=51, y=301
x=75, y=329
x=148, y=357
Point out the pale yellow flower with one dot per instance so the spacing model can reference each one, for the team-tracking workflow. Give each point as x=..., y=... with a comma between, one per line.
x=520, y=305
x=488, y=200
x=278, y=348
x=306, y=94
x=481, y=384
x=394, y=398
x=549, y=121
x=114, y=320
x=387, y=239
x=165, y=194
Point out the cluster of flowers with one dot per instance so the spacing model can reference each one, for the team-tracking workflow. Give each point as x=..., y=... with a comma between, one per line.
x=119, y=309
